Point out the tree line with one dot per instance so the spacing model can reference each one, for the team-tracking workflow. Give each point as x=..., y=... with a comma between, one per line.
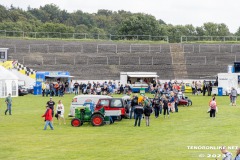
x=50, y=18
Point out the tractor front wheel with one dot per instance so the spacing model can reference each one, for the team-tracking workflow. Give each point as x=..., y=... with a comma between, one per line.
x=76, y=122
x=97, y=120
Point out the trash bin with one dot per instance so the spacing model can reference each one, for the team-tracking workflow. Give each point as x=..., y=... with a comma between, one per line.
x=142, y=90
x=37, y=90
x=220, y=91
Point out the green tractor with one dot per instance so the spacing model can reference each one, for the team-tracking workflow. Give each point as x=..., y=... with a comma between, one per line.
x=86, y=113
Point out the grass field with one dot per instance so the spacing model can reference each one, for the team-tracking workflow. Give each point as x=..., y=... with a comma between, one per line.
x=23, y=137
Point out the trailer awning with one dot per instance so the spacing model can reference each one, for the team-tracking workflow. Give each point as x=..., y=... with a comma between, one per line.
x=58, y=76
x=143, y=75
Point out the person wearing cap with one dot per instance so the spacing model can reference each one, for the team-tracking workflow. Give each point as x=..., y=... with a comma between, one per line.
x=227, y=154
x=8, y=101
x=51, y=105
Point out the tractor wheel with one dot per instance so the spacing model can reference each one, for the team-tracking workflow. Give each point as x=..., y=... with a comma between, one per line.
x=97, y=120
x=76, y=122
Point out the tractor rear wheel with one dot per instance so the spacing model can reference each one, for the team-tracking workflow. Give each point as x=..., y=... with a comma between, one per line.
x=76, y=122
x=97, y=120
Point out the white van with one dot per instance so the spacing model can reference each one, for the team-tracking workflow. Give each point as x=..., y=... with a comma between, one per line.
x=80, y=99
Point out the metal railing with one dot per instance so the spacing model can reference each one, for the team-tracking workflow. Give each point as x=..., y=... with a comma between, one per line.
x=95, y=36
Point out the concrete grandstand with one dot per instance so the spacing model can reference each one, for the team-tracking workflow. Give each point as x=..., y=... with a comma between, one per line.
x=105, y=60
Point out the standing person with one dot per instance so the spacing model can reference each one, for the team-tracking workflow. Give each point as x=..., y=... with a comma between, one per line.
x=48, y=118
x=204, y=87
x=76, y=85
x=172, y=102
x=227, y=154
x=66, y=87
x=199, y=87
x=43, y=88
x=209, y=88
x=156, y=106
x=213, y=107
x=233, y=96
x=51, y=105
x=176, y=101
x=8, y=101
x=147, y=112
x=138, y=111
x=237, y=154
x=134, y=102
x=165, y=106
x=60, y=112
x=193, y=88
x=47, y=90
x=71, y=86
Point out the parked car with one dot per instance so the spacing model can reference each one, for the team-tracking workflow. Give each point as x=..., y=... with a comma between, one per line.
x=22, y=91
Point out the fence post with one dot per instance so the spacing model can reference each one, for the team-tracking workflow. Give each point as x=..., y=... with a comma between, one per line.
x=47, y=48
x=181, y=39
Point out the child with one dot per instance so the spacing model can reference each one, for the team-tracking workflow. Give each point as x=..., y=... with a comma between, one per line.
x=48, y=118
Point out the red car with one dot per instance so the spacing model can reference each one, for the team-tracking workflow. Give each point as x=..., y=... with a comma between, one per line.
x=112, y=107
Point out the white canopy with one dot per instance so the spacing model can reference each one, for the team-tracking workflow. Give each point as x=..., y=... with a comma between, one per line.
x=8, y=83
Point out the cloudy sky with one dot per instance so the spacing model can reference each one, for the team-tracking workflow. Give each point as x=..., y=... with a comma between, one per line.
x=183, y=12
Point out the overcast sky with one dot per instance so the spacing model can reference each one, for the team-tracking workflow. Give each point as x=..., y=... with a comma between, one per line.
x=195, y=12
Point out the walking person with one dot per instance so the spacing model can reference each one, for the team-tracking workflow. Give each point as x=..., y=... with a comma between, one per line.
x=213, y=107
x=60, y=112
x=147, y=112
x=233, y=96
x=8, y=101
x=165, y=106
x=138, y=111
x=48, y=118
x=51, y=105
x=193, y=88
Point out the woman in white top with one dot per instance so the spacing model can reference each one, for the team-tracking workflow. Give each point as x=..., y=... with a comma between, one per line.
x=60, y=112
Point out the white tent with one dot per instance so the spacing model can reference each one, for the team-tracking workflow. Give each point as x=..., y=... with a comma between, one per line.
x=8, y=83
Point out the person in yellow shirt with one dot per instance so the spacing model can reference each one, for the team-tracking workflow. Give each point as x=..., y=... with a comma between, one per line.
x=43, y=88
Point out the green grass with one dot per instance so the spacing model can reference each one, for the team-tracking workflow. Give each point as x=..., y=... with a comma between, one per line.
x=23, y=137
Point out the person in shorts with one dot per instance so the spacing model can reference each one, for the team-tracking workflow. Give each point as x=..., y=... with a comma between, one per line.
x=60, y=112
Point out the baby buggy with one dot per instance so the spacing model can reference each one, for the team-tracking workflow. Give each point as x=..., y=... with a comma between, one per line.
x=183, y=100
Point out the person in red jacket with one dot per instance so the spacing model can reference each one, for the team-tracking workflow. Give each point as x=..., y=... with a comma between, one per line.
x=48, y=118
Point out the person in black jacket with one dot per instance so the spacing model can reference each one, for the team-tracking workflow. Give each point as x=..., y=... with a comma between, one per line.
x=134, y=103
x=147, y=112
x=138, y=115
x=157, y=106
x=165, y=106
